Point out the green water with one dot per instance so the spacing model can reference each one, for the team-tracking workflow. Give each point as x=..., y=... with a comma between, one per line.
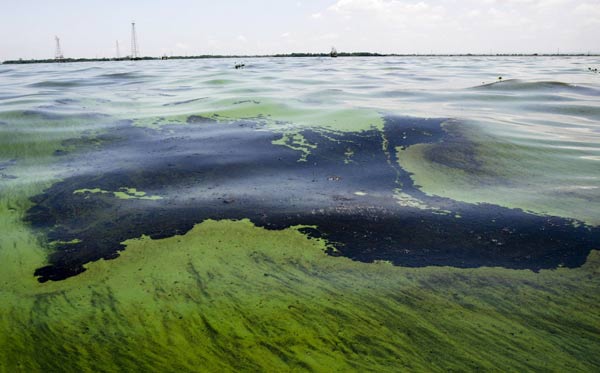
x=231, y=296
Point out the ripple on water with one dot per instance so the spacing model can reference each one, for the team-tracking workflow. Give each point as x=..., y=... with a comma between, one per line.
x=72, y=83
x=315, y=151
x=516, y=85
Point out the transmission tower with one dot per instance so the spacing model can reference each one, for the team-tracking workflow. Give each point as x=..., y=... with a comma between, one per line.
x=58, y=55
x=134, y=45
x=118, y=50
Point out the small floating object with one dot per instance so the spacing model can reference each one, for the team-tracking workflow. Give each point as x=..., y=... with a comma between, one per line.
x=240, y=65
x=333, y=52
x=499, y=78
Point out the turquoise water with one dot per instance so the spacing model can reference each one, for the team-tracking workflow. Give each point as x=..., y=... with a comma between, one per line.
x=275, y=214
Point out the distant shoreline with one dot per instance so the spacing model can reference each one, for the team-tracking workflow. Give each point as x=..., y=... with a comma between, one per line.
x=291, y=55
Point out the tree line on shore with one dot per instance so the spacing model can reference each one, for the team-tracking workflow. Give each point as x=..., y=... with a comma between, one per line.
x=340, y=54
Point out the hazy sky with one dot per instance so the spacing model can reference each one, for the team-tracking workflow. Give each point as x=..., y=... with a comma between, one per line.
x=90, y=28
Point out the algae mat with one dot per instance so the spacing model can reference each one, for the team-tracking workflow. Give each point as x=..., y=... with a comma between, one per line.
x=229, y=296
x=346, y=187
x=279, y=267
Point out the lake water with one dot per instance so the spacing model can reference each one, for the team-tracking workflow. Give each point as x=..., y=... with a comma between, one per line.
x=350, y=214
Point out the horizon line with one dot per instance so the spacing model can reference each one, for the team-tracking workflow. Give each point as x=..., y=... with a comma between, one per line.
x=296, y=55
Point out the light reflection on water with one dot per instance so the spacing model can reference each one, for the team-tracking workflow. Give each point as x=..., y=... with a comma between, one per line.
x=425, y=87
x=546, y=108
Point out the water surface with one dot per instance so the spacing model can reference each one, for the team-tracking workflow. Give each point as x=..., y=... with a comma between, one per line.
x=358, y=213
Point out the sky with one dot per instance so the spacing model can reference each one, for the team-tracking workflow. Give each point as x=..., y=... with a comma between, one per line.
x=91, y=28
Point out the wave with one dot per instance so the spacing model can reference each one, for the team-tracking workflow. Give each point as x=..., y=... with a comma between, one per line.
x=66, y=83
x=14, y=96
x=220, y=81
x=535, y=86
x=52, y=115
x=86, y=69
x=122, y=76
x=56, y=84
x=102, y=79
x=583, y=111
x=176, y=103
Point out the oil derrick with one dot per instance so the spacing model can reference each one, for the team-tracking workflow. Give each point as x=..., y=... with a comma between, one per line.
x=58, y=55
x=135, y=54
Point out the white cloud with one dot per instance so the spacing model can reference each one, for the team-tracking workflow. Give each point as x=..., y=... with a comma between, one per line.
x=589, y=13
x=391, y=10
x=357, y=5
x=180, y=45
x=471, y=25
x=393, y=6
x=316, y=15
x=328, y=36
x=474, y=13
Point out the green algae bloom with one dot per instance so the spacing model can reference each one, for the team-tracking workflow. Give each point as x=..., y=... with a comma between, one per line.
x=296, y=141
x=247, y=292
x=276, y=115
x=122, y=193
x=515, y=174
x=230, y=296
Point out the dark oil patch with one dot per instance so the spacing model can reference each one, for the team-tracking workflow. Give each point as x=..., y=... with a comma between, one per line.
x=210, y=170
x=455, y=152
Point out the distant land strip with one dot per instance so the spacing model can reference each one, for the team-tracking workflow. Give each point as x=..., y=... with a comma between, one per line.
x=340, y=54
